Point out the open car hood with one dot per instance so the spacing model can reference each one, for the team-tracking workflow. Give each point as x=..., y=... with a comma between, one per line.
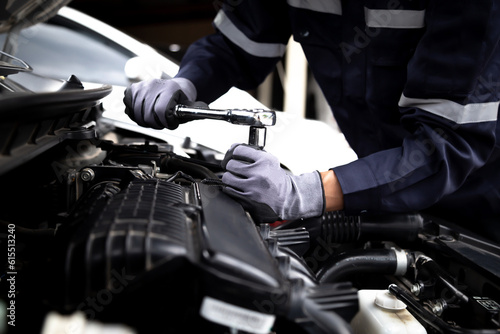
x=37, y=112
x=21, y=13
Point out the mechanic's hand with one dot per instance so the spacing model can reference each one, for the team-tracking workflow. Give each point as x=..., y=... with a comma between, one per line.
x=151, y=103
x=266, y=190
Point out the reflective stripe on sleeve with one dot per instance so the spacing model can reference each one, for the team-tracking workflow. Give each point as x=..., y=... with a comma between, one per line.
x=269, y=50
x=394, y=18
x=460, y=114
x=322, y=6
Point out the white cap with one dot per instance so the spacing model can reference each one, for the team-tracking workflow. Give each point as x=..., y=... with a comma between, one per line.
x=386, y=300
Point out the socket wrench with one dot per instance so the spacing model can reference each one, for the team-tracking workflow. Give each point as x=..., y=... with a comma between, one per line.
x=257, y=119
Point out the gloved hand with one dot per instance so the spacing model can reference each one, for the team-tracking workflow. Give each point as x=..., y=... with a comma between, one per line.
x=266, y=190
x=150, y=103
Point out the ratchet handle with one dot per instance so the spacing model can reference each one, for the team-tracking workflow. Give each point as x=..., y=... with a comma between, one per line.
x=257, y=119
x=252, y=117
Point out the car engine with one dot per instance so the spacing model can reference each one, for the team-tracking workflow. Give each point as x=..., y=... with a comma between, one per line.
x=107, y=228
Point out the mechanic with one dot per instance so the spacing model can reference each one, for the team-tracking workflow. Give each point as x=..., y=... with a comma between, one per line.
x=413, y=85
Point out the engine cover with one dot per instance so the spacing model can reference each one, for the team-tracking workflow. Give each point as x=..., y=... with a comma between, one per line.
x=179, y=246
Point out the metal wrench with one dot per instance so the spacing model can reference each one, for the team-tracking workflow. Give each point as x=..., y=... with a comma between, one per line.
x=257, y=119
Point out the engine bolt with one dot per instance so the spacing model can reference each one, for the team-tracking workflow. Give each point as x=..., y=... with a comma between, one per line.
x=438, y=307
x=416, y=289
x=87, y=174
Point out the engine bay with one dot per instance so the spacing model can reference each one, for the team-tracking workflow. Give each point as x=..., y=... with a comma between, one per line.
x=117, y=229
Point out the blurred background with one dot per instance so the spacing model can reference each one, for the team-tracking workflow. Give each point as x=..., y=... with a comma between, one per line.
x=168, y=25
x=171, y=26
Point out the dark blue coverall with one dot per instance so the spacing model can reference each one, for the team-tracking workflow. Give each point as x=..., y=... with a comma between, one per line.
x=413, y=85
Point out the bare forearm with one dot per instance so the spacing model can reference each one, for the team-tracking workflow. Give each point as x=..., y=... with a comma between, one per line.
x=333, y=192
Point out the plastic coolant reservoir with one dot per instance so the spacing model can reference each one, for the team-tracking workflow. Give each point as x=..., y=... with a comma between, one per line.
x=381, y=312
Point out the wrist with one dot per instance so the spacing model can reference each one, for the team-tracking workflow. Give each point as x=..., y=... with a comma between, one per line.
x=307, y=197
x=334, y=198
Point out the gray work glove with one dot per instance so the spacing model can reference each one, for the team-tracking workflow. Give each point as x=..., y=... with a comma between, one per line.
x=266, y=190
x=151, y=103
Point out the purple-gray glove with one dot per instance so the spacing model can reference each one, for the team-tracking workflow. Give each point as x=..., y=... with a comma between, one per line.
x=150, y=103
x=266, y=190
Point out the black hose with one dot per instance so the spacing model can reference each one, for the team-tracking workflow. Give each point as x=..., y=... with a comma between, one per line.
x=378, y=261
x=341, y=228
x=337, y=227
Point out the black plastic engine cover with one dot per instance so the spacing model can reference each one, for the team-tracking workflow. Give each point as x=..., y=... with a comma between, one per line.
x=154, y=240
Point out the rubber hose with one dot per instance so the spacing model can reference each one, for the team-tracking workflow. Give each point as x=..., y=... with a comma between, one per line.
x=341, y=228
x=337, y=227
x=378, y=261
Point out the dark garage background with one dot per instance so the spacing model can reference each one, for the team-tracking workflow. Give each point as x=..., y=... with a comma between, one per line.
x=169, y=25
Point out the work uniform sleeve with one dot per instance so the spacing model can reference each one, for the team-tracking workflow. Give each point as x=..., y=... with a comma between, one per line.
x=250, y=38
x=449, y=106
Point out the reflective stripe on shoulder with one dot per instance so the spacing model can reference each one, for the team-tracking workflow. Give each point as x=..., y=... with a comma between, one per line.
x=322, y=6
x=394, y=18
x=269, y=50
x=456, y=112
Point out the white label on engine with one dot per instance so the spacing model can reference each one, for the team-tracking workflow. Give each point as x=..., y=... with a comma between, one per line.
x=236, y=317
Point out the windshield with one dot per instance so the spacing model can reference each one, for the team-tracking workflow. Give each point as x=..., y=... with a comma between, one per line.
x=57, y=51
